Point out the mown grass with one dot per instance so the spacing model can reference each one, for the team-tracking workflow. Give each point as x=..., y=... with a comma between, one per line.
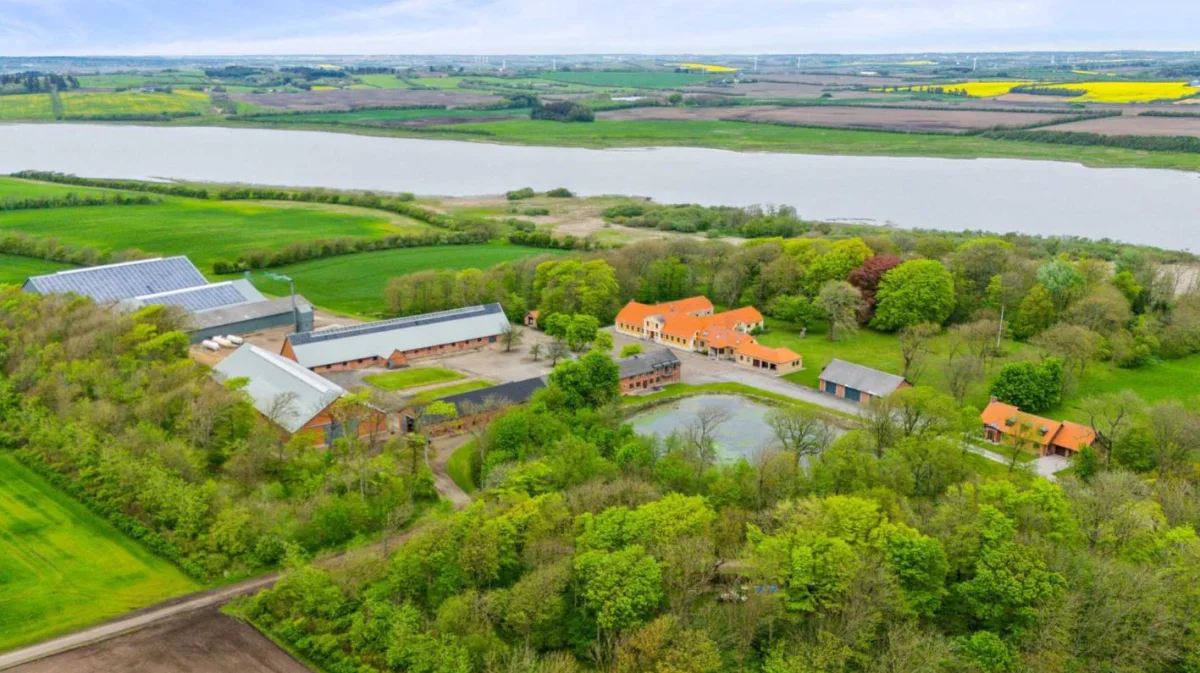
x=355, y=283
x=206, y=231
x=459, y=466
x=751, y=137
x=412, y=378
x=31, y=107
x=640, y=80
x=62, y=567
x=14, y=270
x=93, y=104
x=427, y=396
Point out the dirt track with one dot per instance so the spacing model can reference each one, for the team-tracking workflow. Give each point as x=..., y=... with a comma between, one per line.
x=877, y=118
x=198, y=642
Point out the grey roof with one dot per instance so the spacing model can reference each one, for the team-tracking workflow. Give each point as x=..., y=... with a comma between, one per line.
x=861, y=378
x=202, y=298
x=646, y=363
x=114, y=282
x=514, y=392
x=272, y=377
x=239, y=313
x=380, y=339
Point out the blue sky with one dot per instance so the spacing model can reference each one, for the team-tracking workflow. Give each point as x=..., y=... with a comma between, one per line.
x=200, y=27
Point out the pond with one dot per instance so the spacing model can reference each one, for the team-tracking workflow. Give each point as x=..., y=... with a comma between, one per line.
x=1155, y=207
x=744, y=432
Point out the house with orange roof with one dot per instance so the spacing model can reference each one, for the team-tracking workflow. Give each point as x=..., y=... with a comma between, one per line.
x=691, y=325
x=1005, y=423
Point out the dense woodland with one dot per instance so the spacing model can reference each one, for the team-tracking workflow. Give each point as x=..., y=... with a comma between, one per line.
x=110, y=408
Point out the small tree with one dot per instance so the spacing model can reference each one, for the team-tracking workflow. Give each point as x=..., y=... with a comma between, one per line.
x=511, y=337
x=558, y=351
x=914, y=346
x=535, y=351
x=629, y=350
x=841, y=303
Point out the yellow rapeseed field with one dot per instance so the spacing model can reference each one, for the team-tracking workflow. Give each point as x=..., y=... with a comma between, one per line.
x=87, y=103
x=1129, y=92
x=974, y=89
x=704, y=66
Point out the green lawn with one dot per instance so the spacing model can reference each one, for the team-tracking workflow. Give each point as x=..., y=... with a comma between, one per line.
x=1164, y=380
x=14, y=269
x=459, y=466
x=412, y=378
x=62, y=567
x=640, y=80
x=446, y=391
x=206, y=231
x=745, y=136
x=32, y=107
x=13, y=188
x=355, y=283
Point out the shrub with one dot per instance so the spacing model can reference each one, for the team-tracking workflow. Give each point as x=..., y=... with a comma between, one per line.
x=560, y=193
x=522, y=193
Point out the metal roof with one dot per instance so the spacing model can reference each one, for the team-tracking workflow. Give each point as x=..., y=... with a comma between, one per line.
x=514, y=392
x=861, y=378
x=239, y=313
x=274, y=379
x=204, y=297
x=381, y=339
x=114, y=282
x=646, y=363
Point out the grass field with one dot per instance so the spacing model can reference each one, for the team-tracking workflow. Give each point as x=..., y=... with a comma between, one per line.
x=354, y=283
x=206, y=231
x=459, y=466
x=427, y=396
x=62, y=567
x=383, y=81
x=15, y=270
x=181, y=78
x=90, y=104
x=412, y=378
x=743, y=136
x=388, y=116
x=636, y=80
x=14, y=188
x=31, y=107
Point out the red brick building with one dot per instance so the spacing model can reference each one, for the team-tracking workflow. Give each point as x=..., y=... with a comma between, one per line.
x=648, y=371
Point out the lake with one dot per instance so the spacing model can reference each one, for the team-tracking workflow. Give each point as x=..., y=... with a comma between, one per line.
x=1155, y=207
x=741, y=435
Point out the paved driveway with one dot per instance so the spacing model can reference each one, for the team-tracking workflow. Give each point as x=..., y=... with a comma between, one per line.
x=1048, y=466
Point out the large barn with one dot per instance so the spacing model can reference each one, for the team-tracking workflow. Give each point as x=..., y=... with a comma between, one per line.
x=227, y=307
x=394, y=343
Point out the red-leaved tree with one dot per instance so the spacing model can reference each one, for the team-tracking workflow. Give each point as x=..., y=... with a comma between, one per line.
x=866, y=278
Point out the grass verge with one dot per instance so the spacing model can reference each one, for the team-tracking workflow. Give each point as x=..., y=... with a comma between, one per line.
x=427, y=396
x=459, y=467
x=412, y=378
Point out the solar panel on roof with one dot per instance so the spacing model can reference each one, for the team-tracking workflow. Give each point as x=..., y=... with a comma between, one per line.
x=393, y=324
x=115, y=282
x=201, y=298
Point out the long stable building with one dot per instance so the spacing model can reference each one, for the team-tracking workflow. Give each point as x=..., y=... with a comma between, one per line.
x=691, y=325
x=227, y=307
x=394, y=343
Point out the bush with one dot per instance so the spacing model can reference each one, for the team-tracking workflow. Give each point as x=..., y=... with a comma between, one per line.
x=522, y=193
x=535, y=212
x=564, y=111
x=560, y=193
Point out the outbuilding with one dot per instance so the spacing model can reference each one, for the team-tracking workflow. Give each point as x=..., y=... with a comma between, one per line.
x=858, y=383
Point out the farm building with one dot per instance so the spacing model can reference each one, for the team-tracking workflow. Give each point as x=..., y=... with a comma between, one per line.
x=475, y=408
x=690, y=325
x=858, y=383
x=292, y=397
x=1005, y=423
x=393, y=343
x=647, y=371
x=531, y=318
x=228, y=307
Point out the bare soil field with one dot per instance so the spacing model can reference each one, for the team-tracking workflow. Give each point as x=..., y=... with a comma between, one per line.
x=1135, y=126
x=353, y=99
x=875, y=118
x=206, y=641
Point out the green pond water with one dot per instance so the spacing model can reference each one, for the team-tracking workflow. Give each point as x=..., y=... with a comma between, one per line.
x=744, y=432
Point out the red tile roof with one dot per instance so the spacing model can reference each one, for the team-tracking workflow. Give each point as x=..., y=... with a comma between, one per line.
x=1006, y=418
x=779, y=356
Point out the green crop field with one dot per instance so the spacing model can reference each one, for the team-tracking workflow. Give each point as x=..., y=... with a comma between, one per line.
x=15, y=270
x=62, y=567
x=637, y=80
x=89, y=104
x=383, y=81
x=373, y=117
x=354, y=283
x=412, y=378
x=206, y=231
x=15, y=188
x=186, y=78
x=34, y=106
x=750, y=137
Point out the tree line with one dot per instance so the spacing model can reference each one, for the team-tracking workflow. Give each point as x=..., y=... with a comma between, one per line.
x=72, y=200
x=1147, y=143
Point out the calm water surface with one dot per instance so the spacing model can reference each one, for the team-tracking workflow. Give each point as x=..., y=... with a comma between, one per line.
x=745, y=432
x=1156, y=207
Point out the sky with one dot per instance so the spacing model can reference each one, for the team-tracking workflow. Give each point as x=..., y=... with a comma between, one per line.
x=245, y=27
